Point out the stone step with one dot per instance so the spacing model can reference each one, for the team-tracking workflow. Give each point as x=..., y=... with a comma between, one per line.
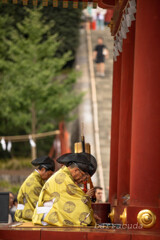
x=104, y=101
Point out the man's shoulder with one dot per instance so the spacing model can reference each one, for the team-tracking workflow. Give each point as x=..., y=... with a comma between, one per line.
x=54, y=176
x=34, y=178
x=29, y=181
x=31, y=176
x=60, y=177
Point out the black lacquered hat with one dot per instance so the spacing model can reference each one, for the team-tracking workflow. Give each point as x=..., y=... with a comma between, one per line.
x=44, y=161
x=85, y=161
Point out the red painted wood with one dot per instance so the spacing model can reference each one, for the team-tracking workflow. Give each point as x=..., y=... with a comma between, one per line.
x=106, y=4
x=124, y=150
x=117, y=15
x=145, y=149
x=109, y=2
x=102, y=210
x=108, y=236
x=67, y=233
x=131, y=221
x=17, y=234
x=145, y=237
x=62, y=235
x=132, y=213
x=115, y=129
x=118, y=211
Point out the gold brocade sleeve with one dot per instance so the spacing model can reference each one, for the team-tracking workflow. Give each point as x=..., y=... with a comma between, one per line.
x=71, y=207
x=28, y=197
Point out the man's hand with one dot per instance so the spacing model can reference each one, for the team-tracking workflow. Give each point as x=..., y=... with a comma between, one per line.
x=90, y=192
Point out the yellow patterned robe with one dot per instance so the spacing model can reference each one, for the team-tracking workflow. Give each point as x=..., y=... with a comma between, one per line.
x=70, y=205
x=28, y=197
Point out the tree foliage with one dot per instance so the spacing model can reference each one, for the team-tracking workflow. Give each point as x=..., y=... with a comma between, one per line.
x=67, y=21
x=33, y=81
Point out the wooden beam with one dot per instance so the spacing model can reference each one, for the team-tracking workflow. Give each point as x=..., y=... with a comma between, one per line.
x=106, y=4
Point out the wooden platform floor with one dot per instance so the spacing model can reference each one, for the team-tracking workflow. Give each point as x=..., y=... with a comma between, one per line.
x=31, y=232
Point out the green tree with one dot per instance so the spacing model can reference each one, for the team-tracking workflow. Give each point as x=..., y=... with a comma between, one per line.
x=67, y=21
x=5, y=27
x=35, y=91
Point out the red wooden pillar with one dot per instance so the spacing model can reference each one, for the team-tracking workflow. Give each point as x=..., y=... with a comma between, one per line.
x=125, y=114
x=115, y=129
x=145, y=149
x=64, y=138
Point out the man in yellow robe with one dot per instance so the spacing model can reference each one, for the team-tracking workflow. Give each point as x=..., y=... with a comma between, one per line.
x=62, y=202
x=31, y=188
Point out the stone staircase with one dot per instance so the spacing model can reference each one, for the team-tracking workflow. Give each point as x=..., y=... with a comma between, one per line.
x=104, y=101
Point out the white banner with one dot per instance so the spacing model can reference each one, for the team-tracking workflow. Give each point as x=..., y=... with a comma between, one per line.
x=120, y=34
x=116, y=51
x=132, y=10
x=128, y=20
x=123, y=32
x=128, y=17
x=132, y=17
x=3, y=143
x=9, y=146
x=119, y=47
x=32, y=143
x=124, y=24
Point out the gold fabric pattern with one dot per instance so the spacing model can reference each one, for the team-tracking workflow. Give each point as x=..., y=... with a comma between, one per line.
x=60, y=178
x=53, y=217
x=67, y=223
x=38, y=218
x=67, y=209
x=28, y=214
x=55, y=196
x=46, y=185
x=71, y=189
x=37, y=191
x=19, y=214
x=34, y=203
x=85, y=200
x=84, y=218
x=30, y=181
x=28, y=196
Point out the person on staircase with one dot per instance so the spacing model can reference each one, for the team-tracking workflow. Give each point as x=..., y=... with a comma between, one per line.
x=99, y=55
